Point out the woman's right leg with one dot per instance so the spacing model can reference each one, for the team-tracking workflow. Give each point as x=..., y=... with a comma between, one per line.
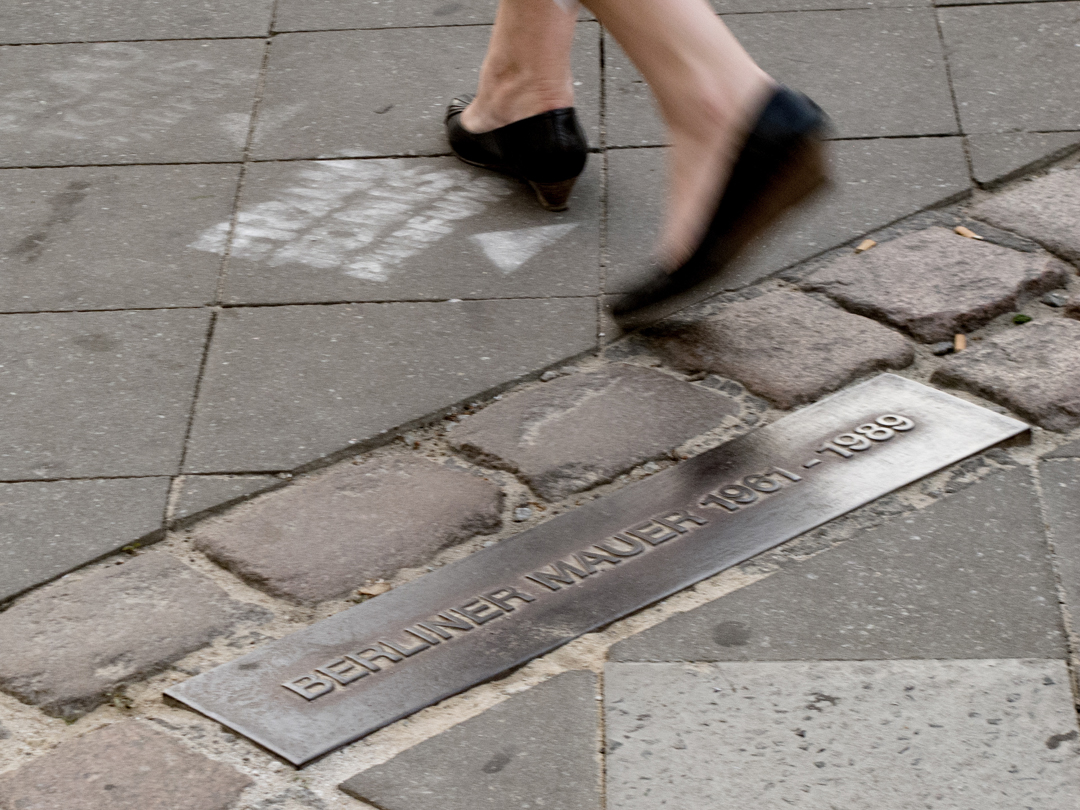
x=709, y=91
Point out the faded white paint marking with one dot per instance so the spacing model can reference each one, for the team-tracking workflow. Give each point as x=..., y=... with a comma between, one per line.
x=364, y=217
x=508, y=250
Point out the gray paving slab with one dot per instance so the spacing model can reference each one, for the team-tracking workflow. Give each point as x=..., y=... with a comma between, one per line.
x=48, y=528
x=123, y=766
x=1014, y=67
x=935, y=283
x=384, y=230
x=897, y=735
x=325, y=15
x=1068, y=450
x=1045, y=209
x=876, y=182
x=585, y=429
x=109, y=238
x=325, y=536
x=1034, y=370
x=537, y=749
x=876, y=72
x=128, y=102
x=97, y=394
x=345, y=373
x=1060, y=485
x=787, y=347
x=110, y=20
x=999, y=156
x=71, y=644
x=197, y=493
x=967, y=577
x=758, y=6
x=375, y=93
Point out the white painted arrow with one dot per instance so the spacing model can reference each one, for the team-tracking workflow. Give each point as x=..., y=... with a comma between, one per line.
x=508, y=250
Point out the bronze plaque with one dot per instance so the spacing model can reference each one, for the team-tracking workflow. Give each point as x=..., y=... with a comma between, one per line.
x=346, y=676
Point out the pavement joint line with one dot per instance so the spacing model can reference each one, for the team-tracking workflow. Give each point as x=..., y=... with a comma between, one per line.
x=127, y=41
x=952, y=94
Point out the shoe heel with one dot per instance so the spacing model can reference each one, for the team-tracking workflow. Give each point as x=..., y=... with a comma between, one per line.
x=553, y=196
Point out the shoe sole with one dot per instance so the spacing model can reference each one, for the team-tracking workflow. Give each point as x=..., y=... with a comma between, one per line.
x=552, y=196
x=806, y=173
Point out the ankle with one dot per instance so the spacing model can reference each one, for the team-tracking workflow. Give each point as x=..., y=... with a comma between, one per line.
x=509, y=95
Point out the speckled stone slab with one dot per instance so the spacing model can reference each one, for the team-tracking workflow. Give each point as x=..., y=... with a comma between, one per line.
x=897, y=735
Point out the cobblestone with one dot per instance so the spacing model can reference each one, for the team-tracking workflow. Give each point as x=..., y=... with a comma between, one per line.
x=1046, y=210
x=319, y=539
x=579, y=431
x=786, y=347
x=125, y=766
x=1033, y=370
x=933, y=283
x=70, y=645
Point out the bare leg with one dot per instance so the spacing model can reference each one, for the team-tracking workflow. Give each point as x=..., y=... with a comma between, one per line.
x=527, y=67
x=709, y=91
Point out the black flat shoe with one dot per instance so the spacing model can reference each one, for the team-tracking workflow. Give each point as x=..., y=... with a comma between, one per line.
x=547, y=151
x=781, y=163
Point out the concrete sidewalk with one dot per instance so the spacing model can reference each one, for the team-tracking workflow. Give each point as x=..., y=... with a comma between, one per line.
x=237, y=257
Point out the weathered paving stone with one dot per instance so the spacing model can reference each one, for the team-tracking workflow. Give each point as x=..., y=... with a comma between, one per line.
x=97, y=394
x=579, y=431
x=48, y=528
x=1046, y=210
x=785, y=346
x=538, y=749
x=934, y=283
x=319, y=539
x=200, y=492
x=70, y=645
x=322, y=231
x=895, y=735
x=108, y=238
x=1069, y=450
x=125, y=766
x=348, y=373
x=1033, y=370
x=998, y=156
x=1060, y=479
x=315, y=15
x=1014, y=66
x=128, y=102
x=968, y=577
x=384, y=92
x=111, y=20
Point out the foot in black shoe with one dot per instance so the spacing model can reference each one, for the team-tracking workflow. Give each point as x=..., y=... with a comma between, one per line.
x=547, y=151
x=780, y=164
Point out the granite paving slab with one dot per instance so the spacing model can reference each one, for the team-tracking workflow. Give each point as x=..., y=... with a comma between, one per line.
x=128, y=102
x=897, y=735
x=876, y=72
x=51, y=527
x=107, y=238
x=1000, y=156
x=383, y=230
x=575, y=432
x=1033, y=369
x=123, y=766
x=346, y=373
x=1060, y=480
x=876, y=182
x=326, y=536
x=785, y=346
x=757, y=6
x=97, y=394
x=384, y=92
x=1014, y=67
x=197, y=493
x=319, y=15
x=934, y=283
x=70, y=645
x=537, y=749
x=1046, y=209
x=967, y=577
x=80, y=21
